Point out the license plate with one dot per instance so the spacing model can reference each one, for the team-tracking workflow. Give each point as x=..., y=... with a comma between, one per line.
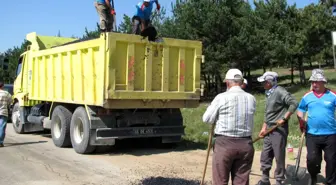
x=144, y=131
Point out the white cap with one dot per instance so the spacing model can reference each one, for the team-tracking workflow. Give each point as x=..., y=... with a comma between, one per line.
x=318, y=75
x=147, y=0
x=233, y=74
x=245, y=81
x=269, y=75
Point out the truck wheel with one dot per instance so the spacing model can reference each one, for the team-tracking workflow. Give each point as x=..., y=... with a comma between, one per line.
x=16, y=121
x=80, y=132
x=60, y=126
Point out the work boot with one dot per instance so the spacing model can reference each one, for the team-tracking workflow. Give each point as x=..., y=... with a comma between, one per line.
x=263, y=183
x=278, y=182
x=312, y=180
x=1, y=145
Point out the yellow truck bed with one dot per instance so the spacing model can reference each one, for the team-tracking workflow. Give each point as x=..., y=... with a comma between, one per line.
x=115, y=71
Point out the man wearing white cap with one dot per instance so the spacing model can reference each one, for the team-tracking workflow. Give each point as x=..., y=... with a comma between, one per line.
x=244, y=85
x=280, y=105
x=233, y=113
x=142, y=15
x=320, y=105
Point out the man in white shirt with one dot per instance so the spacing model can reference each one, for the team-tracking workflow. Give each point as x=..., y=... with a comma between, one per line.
x=5, y=101
x=233, y=113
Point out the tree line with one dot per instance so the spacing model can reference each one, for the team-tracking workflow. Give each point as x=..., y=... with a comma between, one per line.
x=263, y=35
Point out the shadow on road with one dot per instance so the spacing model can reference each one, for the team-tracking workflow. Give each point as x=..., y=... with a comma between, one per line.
x=304, y=181
x=24, y=143
x=147, y=146
x=168, y=181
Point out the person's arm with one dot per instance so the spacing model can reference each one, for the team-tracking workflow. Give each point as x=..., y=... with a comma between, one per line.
x=292, y=103
x=158, y=6
x=211, y=113
x=301, y=111
x=108, y=4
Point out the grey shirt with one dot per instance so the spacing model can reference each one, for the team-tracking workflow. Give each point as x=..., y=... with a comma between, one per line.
x=278, y=102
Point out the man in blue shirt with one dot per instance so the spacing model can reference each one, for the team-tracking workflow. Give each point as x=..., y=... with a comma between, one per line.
x=142, y=15
x=320, y=127
x=105, y=10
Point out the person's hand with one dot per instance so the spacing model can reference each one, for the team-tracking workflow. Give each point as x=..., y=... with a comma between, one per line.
x=262, y=132
x=280, y=122
x=112, y=12
x=302, y=124
x=158, y=7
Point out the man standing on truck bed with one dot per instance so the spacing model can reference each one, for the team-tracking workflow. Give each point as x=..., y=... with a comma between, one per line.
x=5, y=101
x=142, y=15
x=105, y=10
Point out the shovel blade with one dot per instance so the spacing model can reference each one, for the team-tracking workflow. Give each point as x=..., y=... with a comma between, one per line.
x=290, y=173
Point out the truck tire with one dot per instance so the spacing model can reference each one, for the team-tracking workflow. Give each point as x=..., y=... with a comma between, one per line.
x=16, y=121
x=80, y=132
x=60, y=126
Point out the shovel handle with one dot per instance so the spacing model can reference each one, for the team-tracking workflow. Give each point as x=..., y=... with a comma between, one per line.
x=300, y=149
x=208, y=152
x=267, y=132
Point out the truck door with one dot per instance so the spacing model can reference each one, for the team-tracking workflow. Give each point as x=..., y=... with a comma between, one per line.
x=18, y=76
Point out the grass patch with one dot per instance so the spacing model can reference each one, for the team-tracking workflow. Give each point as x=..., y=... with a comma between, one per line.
x=197, y=131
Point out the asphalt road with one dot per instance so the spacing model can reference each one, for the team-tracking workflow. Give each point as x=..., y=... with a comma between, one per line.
x=34, y=160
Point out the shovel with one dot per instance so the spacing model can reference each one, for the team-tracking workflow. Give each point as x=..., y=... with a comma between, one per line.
x=267, y=132
x=297, y=173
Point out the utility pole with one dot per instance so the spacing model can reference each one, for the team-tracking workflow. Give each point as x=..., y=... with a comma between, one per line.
x=333, y=36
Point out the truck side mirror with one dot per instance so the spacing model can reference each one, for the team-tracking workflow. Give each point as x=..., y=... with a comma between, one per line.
x=5, y=64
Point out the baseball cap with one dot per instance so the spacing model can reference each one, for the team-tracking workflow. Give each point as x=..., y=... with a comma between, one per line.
x=269, y=75
x=245, y=81
x=147, y=0
x=233, y=74
x=318, y=76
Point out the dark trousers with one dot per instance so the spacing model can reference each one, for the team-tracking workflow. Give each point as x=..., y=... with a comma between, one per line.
x=274, y=147
x=136, y=21
x=315, y=145
x=105, y=17
x=232, y=155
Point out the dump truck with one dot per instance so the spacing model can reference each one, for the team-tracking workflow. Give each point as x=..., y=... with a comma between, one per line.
x=92, y=92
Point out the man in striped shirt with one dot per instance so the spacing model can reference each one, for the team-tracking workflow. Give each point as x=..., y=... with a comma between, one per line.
x=5, y=101
x=233, y=113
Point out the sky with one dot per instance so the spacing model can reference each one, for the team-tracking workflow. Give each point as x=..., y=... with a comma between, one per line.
x=70, y=19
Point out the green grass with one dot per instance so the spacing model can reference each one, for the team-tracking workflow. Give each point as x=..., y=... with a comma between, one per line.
x=196, y=129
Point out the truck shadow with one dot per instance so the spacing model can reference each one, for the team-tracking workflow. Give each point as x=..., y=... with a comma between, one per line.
x=167, y=181
x=24, y=143
x=147, y=146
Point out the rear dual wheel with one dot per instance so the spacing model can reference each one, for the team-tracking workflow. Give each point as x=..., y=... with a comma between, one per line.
x=60, y=126
x=80, y=132
x=69, y=128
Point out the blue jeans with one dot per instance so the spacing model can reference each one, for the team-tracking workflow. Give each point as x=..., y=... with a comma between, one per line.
x=3, y=125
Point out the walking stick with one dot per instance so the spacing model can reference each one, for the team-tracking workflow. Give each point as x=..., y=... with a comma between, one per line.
x=208, y=151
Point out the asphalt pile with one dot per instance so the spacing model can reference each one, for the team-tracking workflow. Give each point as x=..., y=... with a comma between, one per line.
x=168, y=181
